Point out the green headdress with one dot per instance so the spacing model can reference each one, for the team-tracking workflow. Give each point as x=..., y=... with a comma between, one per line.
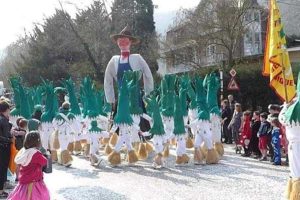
x=293, y=112
x=51, y=103
x=191, y=94
x=168, y=95
x=70, y=87
x=178, y=118
x=183, y=94
x=90, y=100
x=153, y=109
x=100, y=102
x=203, y=113
x=22, y=107
x=37, y=97
x=133, y=80
x=107, y=106
x=83, y=101
x=123, y=112
x=213, y=85
x=30, y=96
x=14, y=82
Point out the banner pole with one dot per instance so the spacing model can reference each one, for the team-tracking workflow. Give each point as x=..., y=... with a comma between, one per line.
x=284, y=78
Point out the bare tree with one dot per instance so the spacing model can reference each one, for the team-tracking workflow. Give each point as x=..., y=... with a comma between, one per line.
x=221, y=23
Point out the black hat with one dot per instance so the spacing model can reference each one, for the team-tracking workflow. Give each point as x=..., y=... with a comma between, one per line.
x=125, y=33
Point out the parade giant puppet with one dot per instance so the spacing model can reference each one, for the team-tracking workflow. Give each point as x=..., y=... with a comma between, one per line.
x=124, y=62
x=290, y=116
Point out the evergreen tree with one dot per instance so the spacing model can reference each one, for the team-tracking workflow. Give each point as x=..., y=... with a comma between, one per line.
x=138, y=15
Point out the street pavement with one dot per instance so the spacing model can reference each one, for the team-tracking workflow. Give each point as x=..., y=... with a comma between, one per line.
x=235, y=177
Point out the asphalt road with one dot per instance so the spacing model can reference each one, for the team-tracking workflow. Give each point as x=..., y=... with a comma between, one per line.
x=235, y=177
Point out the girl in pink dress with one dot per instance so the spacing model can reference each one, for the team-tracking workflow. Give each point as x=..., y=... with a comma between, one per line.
x=31, y=185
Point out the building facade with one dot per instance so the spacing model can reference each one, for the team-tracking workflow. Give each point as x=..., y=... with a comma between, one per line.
x=183, y=55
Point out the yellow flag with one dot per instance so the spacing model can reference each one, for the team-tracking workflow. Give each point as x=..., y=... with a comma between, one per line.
x=276, y=57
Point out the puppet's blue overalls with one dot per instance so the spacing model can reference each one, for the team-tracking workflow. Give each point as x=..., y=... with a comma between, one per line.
x=122, y=67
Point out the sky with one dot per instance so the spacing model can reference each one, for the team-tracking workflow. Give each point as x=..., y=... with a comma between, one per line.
x=16, y=16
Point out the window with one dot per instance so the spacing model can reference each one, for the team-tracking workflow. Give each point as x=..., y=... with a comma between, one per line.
x=248, y=17
x=256, y=16
x=211, y=49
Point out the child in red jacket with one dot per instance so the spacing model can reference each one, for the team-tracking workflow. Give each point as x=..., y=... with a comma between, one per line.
x=31, y=185
x=246, y=133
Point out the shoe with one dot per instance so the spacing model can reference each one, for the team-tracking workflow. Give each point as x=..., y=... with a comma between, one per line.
x=3, y=195
x=9, y=186
x=263, y=159
x=257, y=157
x=276, y=163
x=245, y=155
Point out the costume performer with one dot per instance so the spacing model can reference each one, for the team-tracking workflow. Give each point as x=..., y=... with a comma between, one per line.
x=124, y=122
x=203, y=127
x=183, y=89
x=76, y=118
x=135, y=102
x=213, y=85
x=192, y=107
x=180, y=134
x=290, y=117
x=157, y=130
x=62, y=124
x=167, y=108
x=51, y=107
x=94, y=132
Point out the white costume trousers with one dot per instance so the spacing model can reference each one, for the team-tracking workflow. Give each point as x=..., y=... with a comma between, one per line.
x=94, y=140
x=203, y=133
x=294, y=159
x=216, y=127
x=181, y=145
x=46, y=131
x=64, y=140
x=169, y=128
x=134, y=132
x=124, y=138
x=158, y=141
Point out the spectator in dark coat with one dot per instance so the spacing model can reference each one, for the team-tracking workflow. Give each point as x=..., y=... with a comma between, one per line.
x=231, y=102
x=263, y=135
x=255, y=124
x=226, y=118
x=5, y=142
x=274, y=111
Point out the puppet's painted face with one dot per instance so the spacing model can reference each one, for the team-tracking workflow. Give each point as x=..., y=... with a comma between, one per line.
x=124, y=43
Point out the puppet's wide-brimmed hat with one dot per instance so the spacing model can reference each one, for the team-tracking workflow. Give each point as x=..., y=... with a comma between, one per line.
x=125, y=33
